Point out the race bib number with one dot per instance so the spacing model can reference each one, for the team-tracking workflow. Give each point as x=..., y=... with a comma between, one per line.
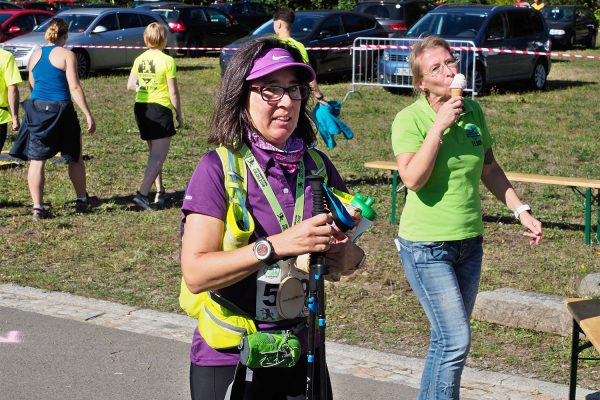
x=281, y=291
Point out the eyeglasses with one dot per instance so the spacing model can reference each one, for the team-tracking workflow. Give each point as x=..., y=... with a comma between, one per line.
x=451, y=64
x=275, y=93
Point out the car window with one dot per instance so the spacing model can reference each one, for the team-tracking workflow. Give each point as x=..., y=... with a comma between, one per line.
x=129, y=20
x=356, y=23
x=168, y=14
x=197, y=16
x=332, y=26
x=146, y=19
x=524, y=22
x=25, y=22
x=215, y=16
x=40, y=18
x=4, y=17
x=392, y=11
x=109, y=22
x=562, y=14
x=77, y=22
x=448, y=25
x=497, y=28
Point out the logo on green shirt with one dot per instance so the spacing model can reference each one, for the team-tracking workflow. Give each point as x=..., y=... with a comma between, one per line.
x=473, y=133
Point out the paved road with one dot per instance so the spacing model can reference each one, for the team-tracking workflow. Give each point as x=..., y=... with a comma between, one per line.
x=55, y=346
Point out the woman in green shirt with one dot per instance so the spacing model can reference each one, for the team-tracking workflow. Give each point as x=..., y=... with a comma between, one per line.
x=443, y=149
x=153, y=78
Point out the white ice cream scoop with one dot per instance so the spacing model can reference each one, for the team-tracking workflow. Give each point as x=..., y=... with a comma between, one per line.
x=458, y=84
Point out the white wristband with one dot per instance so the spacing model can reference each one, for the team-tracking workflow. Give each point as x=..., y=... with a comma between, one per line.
x=520, y=209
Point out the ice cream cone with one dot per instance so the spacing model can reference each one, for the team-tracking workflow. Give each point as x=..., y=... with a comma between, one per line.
x=456, y=92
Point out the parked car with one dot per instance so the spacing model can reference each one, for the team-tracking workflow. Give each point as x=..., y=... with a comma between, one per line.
x=139, y=3
x=6, y=5
x=505, y=27
x=249, y=14
x=94, y=27
x=18, y=22
x=198, y=26
x=396, y=16
x=321, y=29
x=36, y=5
x=53, y=6
x=571, y=24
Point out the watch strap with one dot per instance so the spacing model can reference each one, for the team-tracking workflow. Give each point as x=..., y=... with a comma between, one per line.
x=521, y=209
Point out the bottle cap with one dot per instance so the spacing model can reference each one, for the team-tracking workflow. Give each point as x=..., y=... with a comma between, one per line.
x=364, y=203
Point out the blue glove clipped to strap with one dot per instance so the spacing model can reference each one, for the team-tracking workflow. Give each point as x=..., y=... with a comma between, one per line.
x=328, y=123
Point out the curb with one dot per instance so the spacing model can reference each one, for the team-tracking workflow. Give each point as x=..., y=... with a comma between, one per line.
x=342, y=358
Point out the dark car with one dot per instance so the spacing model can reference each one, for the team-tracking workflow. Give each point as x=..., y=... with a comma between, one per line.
x=5, y=5
x=396, y=16
x=18, y=22
x=247, y=13
x=198, y=26
x=571, y=24
x=321, y=29
x=505, y=27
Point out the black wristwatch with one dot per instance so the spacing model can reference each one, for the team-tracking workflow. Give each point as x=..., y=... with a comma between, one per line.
x=263, y=250
x=320, y=98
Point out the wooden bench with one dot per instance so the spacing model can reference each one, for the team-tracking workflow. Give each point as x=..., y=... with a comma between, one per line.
x=586, y=320
x=574, y=183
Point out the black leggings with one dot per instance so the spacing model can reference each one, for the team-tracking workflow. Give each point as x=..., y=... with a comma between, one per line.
x=3, y=132
x=211, y=383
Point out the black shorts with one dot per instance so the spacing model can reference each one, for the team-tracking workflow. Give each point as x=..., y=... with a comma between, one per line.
x=211, y=383
x=154, y=121
x=3, y=132
x=48, y=127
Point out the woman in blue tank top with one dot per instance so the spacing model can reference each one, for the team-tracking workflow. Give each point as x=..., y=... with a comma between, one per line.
x=50, y=124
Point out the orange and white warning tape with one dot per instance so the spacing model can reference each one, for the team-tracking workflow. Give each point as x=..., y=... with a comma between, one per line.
x=365, y=47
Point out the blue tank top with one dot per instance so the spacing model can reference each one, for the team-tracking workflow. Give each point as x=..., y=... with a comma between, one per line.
x=50, y=83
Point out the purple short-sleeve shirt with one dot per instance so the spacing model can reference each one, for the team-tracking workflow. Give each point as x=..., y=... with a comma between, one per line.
x=205, y=194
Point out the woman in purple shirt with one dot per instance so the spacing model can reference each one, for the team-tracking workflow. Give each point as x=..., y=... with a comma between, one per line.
x=262, y=107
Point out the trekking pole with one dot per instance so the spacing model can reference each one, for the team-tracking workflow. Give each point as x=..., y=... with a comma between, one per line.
x=316, y=301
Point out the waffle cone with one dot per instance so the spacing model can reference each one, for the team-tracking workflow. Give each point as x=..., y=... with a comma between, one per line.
x=456, y=92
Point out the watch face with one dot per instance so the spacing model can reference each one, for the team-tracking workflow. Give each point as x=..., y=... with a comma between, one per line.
x=262, y=250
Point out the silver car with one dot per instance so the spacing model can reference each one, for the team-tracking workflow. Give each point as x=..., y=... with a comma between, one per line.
x=94, y=27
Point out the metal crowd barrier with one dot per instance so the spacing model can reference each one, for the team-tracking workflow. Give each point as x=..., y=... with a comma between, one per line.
x=384, y=62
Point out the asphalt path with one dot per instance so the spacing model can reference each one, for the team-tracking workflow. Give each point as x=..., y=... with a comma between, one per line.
x=49, y=358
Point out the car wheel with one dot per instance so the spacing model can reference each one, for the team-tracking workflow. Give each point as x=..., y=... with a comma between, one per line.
x=591, y=43
x=194, y=53
x=83, y=63
x=480, y=84
x=571, y=42
x=539, y=77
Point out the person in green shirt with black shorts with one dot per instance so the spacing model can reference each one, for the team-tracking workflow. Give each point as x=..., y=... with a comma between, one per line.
x=10, y=78
x=153, y=78
x=443, y=149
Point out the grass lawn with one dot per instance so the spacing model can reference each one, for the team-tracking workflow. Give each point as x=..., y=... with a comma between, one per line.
x=120, y=254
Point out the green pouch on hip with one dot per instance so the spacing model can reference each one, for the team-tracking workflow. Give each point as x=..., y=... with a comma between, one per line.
x=265, y=350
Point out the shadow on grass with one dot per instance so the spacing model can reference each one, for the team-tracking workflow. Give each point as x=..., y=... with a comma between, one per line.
x=547, y=224
x=173, y=200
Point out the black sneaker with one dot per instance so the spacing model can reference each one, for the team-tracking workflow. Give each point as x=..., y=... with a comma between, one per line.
x=142, y=202
x=82, y=206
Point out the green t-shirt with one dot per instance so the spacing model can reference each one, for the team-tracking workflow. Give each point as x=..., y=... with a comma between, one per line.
x=9, y=75
x=152, y=69
x=297, y=45
x=448, y=206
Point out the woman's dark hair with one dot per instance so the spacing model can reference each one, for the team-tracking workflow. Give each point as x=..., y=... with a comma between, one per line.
x=230, y=119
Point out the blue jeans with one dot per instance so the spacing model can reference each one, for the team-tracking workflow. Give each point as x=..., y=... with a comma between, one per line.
x=445, y=279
